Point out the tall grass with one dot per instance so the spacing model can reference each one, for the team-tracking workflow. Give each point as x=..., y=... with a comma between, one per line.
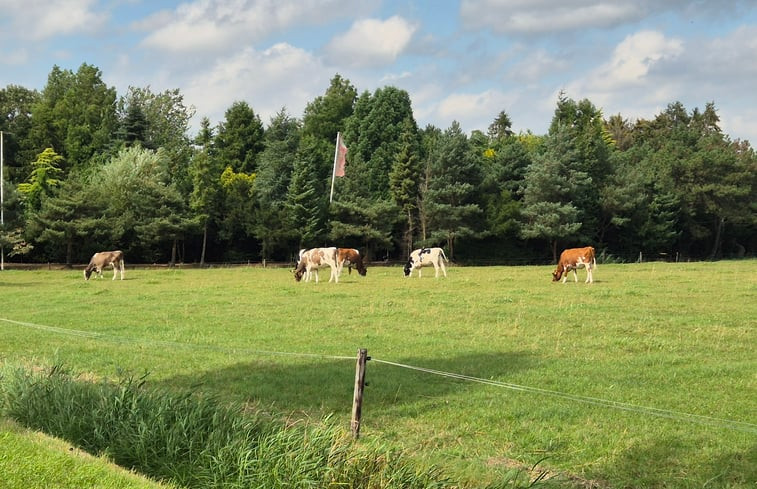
x=198, y=442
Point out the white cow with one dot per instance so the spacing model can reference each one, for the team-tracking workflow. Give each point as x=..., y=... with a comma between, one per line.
x=313, y=259
x=426, y=257
x=104, y=259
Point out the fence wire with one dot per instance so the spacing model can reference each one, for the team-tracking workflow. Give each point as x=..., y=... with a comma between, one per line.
x=741, y=426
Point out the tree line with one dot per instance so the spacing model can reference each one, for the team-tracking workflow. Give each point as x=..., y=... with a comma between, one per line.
x=87, y=169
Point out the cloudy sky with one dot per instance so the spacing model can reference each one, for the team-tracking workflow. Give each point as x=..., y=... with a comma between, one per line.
x=463, y=60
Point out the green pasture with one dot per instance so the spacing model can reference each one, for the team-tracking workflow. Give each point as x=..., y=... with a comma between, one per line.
x=672, y=345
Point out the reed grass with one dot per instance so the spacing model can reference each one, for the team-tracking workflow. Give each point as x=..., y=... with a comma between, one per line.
x=195, y=441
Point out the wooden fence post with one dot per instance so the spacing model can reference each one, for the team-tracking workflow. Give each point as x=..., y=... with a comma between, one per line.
x=357, y=398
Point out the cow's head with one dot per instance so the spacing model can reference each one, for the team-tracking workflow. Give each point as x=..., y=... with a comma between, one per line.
x=557, y=274
x=298, y=273
x=408, y=267
x=88, y=272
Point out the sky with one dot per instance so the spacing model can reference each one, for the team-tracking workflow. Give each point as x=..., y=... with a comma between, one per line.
x=459, y=60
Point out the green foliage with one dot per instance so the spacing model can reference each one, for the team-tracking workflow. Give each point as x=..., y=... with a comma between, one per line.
x=76, y=116
x=70, y=216
x=44, y=177
x=325, y=115
x=450, y=201
x=240, y=138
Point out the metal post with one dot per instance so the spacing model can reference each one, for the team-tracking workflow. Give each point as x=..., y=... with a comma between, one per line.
x=2, y=202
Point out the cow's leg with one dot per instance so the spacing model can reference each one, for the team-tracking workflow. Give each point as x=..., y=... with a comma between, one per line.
x=565, y=272
x=334, y=275
x=115, y=271
x=589, y=278
x=123, y=269
x=436, y=270
x=441, y=264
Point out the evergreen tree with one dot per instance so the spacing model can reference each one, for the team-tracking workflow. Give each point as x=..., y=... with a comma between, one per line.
x=205, y=199
x=69, y=220
x=404, y=182
x=282, y=138
x=307, y=197
x=550, y=187
x=240, y=139
x=453, y=208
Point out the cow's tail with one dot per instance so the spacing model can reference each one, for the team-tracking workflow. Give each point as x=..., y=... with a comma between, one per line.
x=443, y=255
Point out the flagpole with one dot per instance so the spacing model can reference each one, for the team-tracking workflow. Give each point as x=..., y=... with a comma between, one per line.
x=333, y=172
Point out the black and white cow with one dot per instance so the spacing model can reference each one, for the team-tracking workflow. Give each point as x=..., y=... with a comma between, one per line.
x=426, y=257
x=105, y=259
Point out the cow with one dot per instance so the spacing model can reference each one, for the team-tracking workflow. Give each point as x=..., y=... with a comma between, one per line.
x=426, y=257
x=313, y=259
x=572, y=259
x=104, y=259
x=350, y=257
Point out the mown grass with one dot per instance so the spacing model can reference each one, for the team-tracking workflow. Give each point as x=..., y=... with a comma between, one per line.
x=31, y=460
x=679, y=337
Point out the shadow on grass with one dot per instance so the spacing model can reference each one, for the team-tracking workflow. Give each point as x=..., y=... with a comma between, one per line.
x=658, y=463
x=326, y=385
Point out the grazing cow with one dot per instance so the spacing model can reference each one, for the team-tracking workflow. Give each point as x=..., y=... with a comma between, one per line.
x=350, y=257
x=426, y=257
x=104, y=259
x=313, y=259
x=572, y=259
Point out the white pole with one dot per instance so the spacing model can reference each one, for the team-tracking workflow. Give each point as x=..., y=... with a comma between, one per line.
x=333, y=171
x=2, y=203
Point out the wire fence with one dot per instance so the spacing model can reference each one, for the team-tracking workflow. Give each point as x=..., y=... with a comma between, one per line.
x=709, y=421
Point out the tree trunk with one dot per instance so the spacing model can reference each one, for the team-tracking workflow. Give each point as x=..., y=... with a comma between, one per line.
x=204, y=243
x=715, y=254
x=69, y=252
x=173, y=254
x=554, y=250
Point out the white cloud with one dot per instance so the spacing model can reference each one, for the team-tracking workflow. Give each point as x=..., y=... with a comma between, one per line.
x=529, y=17
x=216, y=25
x=473, y=110
x=39, y=19
x=635, y=73
x=268, y=80
x=371, y=42
x=545, y=16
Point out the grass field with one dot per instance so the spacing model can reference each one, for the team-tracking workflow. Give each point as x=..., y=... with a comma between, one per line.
x=547, y=357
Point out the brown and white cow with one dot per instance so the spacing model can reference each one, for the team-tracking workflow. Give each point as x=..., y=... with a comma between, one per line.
x=350, y=257
x=105, y=259
x=572, y=259
x=313, y=259
x=426, y=257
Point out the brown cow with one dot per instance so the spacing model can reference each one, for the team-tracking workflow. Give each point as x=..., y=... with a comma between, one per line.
x=572, y=259
x=104, y=259
x=350, y=257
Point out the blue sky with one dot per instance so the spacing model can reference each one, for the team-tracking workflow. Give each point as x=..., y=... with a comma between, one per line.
x=462, y=61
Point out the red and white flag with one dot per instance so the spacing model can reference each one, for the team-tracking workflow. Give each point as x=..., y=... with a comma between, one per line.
x=341, y=156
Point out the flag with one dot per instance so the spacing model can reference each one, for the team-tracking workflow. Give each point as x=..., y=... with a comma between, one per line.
x=341, y=157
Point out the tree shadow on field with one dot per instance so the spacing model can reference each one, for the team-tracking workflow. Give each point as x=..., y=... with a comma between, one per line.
x=657, y=462
x=323, y=385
